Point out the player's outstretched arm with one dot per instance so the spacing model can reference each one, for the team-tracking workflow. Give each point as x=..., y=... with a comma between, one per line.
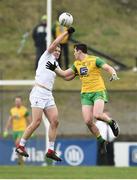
x=112, y=71
x=70, y=77
x=54, y=44
x=67, y=74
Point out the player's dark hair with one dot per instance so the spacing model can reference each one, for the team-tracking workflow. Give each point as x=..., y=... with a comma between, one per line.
x=18, y=97
x=82, y=47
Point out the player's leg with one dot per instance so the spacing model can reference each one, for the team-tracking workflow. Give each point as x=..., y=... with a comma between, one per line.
x=87, y=112
x=17, y=140
x=36, y=120
x=52, y=115
x=88, y=119
x=98, y=113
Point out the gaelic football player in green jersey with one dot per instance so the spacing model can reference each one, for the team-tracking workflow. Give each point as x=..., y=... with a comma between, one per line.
x=93, y=90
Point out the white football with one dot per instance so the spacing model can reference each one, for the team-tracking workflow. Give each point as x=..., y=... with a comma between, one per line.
x=66, y=19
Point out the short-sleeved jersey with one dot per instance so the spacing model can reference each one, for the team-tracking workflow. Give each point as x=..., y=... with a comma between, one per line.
x=45, y=76
x=89, y=71
x=19, y=115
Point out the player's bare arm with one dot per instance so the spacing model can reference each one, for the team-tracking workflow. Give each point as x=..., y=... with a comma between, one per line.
x=110, y=70
x=69, y=73
x=70, y=77
x=66, y=74
x=54, y=44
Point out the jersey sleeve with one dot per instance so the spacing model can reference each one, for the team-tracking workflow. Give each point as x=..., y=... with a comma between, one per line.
x=26, y=113
x=99, y=62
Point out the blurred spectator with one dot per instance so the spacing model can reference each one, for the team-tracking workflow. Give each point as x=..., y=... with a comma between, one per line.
x=107, y=134
x=57, y=29
x=18, y=119
x=39, y=36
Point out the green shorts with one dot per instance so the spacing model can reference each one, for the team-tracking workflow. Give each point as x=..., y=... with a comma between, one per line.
x=17, y=134
x=91, y=97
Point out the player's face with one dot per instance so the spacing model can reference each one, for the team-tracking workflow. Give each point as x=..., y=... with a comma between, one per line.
x=57, y=52
x=76, y=54
x=18, y=102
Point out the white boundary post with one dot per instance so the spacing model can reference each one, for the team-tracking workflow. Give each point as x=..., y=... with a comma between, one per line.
x=49, y=19
x=17, y=82
x=46, y=125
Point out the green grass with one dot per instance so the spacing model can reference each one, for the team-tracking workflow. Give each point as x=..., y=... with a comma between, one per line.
x=33, y=172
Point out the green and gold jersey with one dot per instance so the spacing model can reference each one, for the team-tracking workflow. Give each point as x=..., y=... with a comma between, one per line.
x=90, y=73
x=19, y=115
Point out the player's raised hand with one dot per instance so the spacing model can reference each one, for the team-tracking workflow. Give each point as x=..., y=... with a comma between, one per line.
x=71, y=30
x=114, y=77
x=51, y=66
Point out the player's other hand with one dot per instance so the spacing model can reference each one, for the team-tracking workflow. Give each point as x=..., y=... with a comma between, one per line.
x=71, y=30
x=5, y=134
x=51, y=66
x=114, y=77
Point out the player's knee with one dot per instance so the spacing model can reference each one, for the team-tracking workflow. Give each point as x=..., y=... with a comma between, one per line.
x=89, y=123
x=54, y=124
x=98, y=116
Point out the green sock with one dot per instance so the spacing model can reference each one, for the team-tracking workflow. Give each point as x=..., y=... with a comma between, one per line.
x=110, y=122
x=100, y=139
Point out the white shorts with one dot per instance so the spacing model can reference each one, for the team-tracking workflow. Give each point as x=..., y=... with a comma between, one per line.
x=41, y=98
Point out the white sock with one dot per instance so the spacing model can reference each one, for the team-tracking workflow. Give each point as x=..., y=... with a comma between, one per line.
x=22, y=142
x=51, y=145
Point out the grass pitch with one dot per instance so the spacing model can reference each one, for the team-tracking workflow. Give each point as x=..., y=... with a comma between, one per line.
x=67, y=172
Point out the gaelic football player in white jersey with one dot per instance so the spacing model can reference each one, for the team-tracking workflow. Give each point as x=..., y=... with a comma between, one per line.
x=42, y=100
